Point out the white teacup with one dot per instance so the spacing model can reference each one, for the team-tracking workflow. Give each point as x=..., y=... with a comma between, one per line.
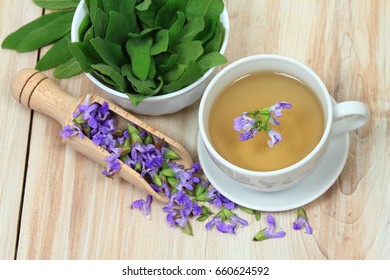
x=339, y=118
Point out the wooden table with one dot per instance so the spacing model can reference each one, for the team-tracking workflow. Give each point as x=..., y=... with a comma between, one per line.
x=55, y=204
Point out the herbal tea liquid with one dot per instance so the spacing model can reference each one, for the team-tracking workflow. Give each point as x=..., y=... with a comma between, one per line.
x=301, y=127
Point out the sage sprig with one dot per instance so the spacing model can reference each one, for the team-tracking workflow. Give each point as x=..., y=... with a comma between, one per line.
x=41, y=32
x=50, y=29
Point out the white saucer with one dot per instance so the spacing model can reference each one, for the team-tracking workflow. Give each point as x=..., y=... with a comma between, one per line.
x=307, y=190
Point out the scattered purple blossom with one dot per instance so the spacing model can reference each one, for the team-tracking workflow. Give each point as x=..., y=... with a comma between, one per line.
x=302, y=222
x=250, y=123
x=144, y=206
x=226, y=221
x=219, y=200
x=269, y=232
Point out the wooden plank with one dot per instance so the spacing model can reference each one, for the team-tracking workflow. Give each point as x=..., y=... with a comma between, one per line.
x=14, y=125
x=71, y=211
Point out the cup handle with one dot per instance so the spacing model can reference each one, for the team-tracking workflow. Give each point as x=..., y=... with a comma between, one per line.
x=348, y=116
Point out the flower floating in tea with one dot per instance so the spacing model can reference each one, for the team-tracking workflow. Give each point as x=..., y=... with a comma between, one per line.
x=250, y=123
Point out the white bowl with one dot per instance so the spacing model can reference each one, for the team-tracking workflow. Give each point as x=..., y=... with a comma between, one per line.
x=155, y=105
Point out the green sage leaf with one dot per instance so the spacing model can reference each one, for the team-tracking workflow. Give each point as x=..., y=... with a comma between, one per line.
x=135, y=98
x=192, y=29
x=85, y=54
x=100, y=23
x=68, y=69
x=176, y=28
x=166, y=61
x=175, y=73
x=147, y=17
x=88, y=35
x=111, y=53
x=211, y=60
x=190, y=75
x=204, y=8
x=168, y=11
x=40, y=32
x=117, y=28
x=147, y=87
x=216, y=41
x=84, y=27
x=209, y=30
x=111, y=5
x=188, y=51
x=161, y=42
x=57, y=4
x=143, y=6
x=93, y=5
x=115, y=76
x=56, y=55
x=139, y=52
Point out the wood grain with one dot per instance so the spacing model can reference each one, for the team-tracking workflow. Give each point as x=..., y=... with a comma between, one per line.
x=14, y=125
x=71, y=211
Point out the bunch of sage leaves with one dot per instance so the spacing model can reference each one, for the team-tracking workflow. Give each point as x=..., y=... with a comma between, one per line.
x=50, y=29
x=139, y=47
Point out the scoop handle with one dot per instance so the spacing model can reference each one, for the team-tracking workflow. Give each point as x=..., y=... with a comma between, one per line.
x=39, y=93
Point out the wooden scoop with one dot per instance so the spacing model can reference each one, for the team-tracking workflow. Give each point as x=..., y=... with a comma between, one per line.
x=37, y=92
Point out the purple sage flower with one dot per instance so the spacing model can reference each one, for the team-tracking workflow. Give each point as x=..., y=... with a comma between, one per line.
x=302, y=222
x=269, y=232
x=144, y=206
x=185, y=177
x=180, y=208
x=219, y=200
x=148, y=156
x=164, y=187
x=235, y=220
x=250, y=123
x=113, y=163
x=104, y=111
x=279, y=107
x=220, y=225
x=71, y=130
x=275, y=138
x=246, y=126
x=226, y=221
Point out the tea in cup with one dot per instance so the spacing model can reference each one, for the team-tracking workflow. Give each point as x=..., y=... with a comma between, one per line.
x=259, y=81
